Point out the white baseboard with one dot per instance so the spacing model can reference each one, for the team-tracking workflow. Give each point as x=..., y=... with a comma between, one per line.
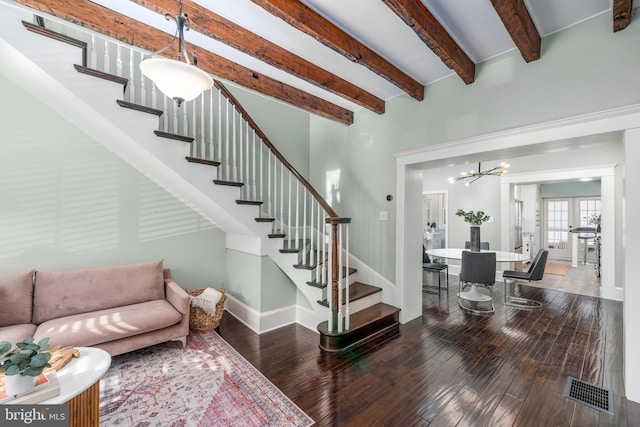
x=270, y=320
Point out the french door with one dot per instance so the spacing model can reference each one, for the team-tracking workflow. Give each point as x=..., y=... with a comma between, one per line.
x=557, y=213
x=563, y=214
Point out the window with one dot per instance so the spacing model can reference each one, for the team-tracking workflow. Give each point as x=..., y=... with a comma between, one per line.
x=588, y=208
x=557, y=224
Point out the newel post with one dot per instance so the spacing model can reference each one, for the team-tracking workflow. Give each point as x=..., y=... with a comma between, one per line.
x=338, y=243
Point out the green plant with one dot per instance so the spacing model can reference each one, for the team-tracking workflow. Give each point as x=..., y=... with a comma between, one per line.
x=594, y=219
x=28, y=358
x=472, y=217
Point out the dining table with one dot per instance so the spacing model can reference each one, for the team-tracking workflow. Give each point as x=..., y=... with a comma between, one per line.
x=456, y=253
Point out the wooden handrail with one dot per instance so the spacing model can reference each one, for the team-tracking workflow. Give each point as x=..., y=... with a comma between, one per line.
x=337, y=220
x=332, y=213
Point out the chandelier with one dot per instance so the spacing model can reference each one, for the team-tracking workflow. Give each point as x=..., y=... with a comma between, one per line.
x=181, y=81
x=476, y=175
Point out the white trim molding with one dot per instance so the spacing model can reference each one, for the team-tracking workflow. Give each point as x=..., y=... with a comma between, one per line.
x=614, y=120
x=631, y=267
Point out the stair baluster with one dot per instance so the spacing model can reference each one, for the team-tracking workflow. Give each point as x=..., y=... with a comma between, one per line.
x=254, y=188
x=226, y=165
x=305, y=252
x=347, y=314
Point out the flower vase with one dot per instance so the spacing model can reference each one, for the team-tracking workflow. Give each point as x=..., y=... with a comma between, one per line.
x=475, y=238
x=18, y=384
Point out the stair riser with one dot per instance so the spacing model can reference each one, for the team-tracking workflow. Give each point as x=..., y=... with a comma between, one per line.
x=384, y=326
x=373, y=341
x=366, y=302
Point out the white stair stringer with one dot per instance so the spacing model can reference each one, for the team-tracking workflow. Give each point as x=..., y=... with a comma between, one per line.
x=44, y=67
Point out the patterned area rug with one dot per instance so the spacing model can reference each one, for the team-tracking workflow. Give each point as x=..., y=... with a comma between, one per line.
x=559, y=269
x=206, y=384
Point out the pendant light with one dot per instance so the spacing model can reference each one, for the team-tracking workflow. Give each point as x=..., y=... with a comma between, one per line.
x=179, y=79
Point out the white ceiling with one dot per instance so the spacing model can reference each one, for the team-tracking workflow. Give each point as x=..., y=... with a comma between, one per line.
x=474, y=25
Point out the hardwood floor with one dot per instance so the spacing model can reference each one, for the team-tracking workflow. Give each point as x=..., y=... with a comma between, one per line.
x=582, y=280
x=449, y=368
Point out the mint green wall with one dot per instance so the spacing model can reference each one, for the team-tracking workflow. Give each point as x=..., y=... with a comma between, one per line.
x=257, y=282
x=67, y=202
x=482, y=195
x=243, y=278
x=570, y=189
x=277, y=289
x=584, y=69
x=352, y=161
x=285, y=126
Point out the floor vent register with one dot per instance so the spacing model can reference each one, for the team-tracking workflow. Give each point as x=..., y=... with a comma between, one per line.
x=591, y=395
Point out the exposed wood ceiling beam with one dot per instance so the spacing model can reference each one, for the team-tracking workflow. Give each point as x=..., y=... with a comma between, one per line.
x=432, y=33
x=621, y=14
x=308, y=21
x=130, y=31
x=516, y=19
x=215, y=26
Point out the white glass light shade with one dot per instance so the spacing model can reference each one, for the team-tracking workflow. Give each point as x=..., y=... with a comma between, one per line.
x=176, y=79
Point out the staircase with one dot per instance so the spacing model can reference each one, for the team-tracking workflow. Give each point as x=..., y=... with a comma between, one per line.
x=219, y=161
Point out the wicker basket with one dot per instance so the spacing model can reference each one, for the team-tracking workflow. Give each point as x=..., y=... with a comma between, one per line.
x=199, y=321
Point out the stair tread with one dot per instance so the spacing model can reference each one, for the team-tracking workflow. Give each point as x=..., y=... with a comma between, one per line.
x=249, y=202
x=229, y=183
x=202, y=161
x=175, y=136
x=138, y=107
x=294, y=246
x=362, y=319
x=101, y=74
x=357, y=290
x=324, y=285
x=265, y=219
x=317, y=285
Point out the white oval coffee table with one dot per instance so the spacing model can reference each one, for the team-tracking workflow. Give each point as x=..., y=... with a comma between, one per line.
x=80, y=386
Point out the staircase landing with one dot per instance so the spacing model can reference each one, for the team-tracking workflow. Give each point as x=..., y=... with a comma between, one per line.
x=369, y=328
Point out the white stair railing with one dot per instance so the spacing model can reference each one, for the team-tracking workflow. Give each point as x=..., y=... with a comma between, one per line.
x=224, y=132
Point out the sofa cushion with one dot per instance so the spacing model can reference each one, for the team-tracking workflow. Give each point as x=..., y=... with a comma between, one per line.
x=16, y=333
x=59, y=294
x=16, y=296
x=96, y=327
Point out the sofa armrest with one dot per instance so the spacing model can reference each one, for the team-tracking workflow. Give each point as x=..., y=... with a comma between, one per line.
x=177, y=296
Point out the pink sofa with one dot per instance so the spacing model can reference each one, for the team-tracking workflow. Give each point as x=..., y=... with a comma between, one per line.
x=118, y=308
